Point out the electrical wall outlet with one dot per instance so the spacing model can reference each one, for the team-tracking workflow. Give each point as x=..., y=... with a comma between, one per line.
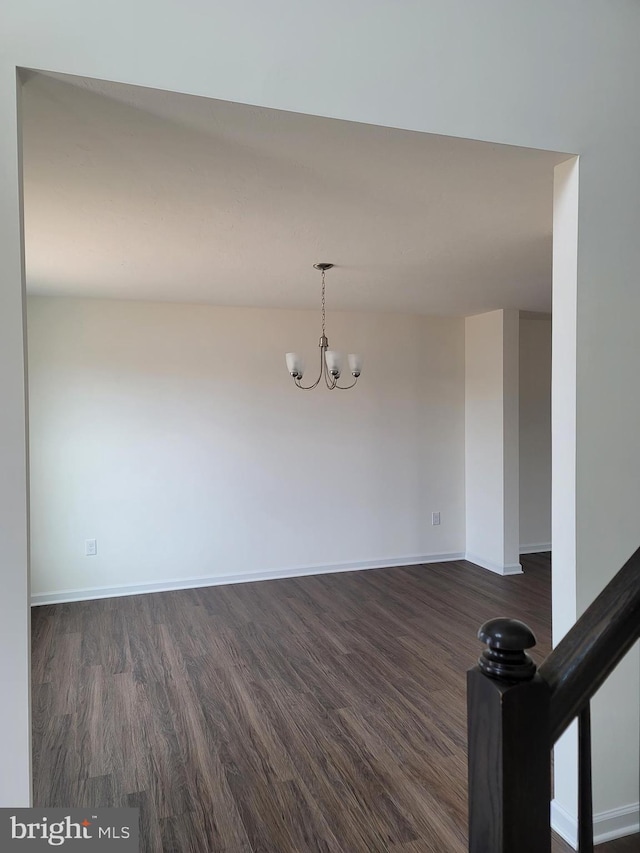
x=91, y=547
x=435, y=518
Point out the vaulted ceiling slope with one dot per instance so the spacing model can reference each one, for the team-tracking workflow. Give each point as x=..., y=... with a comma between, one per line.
x=135, y=193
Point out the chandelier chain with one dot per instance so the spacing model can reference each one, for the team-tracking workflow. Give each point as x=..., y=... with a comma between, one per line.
x=323, y=309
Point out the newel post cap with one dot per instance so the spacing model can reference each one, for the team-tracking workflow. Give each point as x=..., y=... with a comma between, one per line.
x=505, y=658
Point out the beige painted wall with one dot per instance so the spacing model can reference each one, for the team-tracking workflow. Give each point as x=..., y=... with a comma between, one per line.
x=535, y=431
x=174, y=435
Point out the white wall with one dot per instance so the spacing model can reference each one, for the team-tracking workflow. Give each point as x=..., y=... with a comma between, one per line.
x=491, y=440
x=174, y=435
x=15, y=665
x=535, y=432
x=549, y=75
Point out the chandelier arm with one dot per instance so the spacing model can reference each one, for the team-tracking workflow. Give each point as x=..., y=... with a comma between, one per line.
x=307, y=387
x=315, y=384
x=346, y=387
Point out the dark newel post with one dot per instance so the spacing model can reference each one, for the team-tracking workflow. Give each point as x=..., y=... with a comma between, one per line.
x=509, y=745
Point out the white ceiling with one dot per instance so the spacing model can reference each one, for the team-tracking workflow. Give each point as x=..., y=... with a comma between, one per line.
x=141, y=194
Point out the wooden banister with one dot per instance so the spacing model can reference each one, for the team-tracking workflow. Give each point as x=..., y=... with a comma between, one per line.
x=515, y=715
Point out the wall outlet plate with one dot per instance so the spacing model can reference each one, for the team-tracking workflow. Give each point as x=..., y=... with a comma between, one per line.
x=435, y=518
x=91, y=547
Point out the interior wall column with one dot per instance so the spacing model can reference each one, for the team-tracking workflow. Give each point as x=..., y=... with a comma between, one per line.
x=564, y=809
x=492, y=440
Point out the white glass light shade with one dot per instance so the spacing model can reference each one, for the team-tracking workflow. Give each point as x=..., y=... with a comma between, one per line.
x=355, y=363
x=334, y=362
x=295, y=365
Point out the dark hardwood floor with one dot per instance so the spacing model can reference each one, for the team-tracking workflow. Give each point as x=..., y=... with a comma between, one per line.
x=324, y=713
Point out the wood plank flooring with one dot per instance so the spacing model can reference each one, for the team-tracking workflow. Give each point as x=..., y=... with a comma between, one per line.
x=322, y=713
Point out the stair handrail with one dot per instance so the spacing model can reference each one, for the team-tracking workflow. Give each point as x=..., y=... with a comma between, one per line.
x=593, y=647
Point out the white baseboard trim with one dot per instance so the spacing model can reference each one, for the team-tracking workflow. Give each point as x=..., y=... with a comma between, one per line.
x=535, y=549
x=616, y=823
x=507, y=569
x=89, y=593
x=564, y=824
x=607, y=825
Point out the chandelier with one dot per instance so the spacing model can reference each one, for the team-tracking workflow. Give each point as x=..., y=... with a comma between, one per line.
x=330, y=360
